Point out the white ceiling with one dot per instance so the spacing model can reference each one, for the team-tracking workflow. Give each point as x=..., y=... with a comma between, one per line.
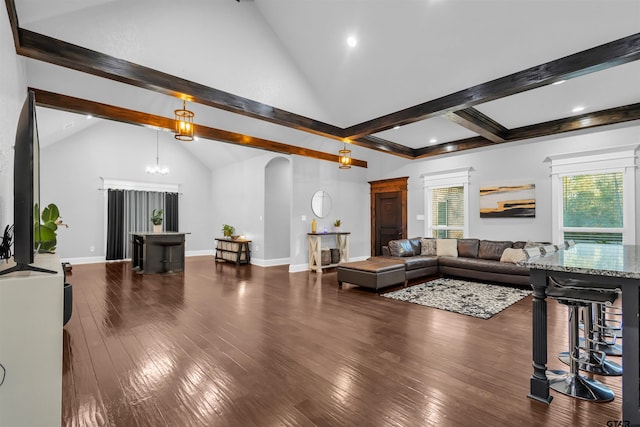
x=292, y=54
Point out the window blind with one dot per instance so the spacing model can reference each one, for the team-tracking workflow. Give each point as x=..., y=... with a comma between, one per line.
x=593, y=200
x=447, y=210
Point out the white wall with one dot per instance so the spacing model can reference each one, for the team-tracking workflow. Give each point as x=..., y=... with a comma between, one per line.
x=71, y=172
x=13, y=92
x=349, y=192
x=514, y=163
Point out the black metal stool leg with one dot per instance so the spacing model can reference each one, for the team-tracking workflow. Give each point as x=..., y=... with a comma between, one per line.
x=572, y=383
x=594, y=360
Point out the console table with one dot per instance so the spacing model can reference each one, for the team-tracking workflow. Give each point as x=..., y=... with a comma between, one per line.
x=610, y=266
x=233, y=250
x=315, y=249
x=158, y=252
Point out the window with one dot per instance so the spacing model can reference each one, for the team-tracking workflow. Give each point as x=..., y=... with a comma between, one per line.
x=446, y=203
x=593, y=196
x=592, y=208
x=447, y=212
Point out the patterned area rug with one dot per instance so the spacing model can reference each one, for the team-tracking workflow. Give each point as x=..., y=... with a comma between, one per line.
x=459, y=296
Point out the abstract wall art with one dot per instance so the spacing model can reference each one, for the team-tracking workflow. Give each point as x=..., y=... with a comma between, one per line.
x=512, y=201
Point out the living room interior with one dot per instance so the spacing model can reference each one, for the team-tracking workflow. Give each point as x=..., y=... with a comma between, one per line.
x=277, y=93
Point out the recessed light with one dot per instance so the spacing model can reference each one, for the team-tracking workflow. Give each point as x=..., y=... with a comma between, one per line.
x=89, y=117
x=433, y=140
x=559, y=82
x=195, y=138
x=396, y=127
x=352, y=41
x=577, y=109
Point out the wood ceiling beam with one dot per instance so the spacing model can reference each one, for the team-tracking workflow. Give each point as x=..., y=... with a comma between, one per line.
x=58, y=52
x=380, y=144
x=609, y=116
x=124, y=115
x=601, y=57
x=13, y=21
x=479, y=123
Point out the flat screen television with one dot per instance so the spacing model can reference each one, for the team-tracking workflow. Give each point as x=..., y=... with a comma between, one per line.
x=26, y=190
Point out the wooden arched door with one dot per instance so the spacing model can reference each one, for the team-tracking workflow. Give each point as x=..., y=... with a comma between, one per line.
x=388, y=212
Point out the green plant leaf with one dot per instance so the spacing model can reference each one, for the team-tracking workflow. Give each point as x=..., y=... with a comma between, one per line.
x=50, y=213
x=47, y=234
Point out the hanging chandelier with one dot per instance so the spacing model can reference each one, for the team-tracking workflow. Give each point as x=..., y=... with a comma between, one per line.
x=157, y=169
x=184, y=123
x=344, y=158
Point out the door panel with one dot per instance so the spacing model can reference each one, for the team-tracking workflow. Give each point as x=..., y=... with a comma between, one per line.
x=388, y=212
x=389, y=218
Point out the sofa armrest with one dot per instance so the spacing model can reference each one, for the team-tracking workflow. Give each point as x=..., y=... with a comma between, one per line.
x=386, y=251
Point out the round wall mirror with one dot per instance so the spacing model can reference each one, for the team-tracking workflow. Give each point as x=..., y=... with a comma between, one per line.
x=321, y=203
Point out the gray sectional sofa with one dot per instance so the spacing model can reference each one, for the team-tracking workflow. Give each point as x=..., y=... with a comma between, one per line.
x=485, y=260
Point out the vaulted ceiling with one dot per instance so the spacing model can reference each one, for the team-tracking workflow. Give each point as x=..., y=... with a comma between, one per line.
x=427, y=77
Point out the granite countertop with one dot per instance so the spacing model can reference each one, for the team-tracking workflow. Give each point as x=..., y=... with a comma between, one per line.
x=588, y=258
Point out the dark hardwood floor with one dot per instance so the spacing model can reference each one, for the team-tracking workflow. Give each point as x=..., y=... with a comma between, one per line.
x=226, y=345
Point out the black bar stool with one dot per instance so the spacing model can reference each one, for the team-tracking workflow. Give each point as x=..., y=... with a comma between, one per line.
x=570, y=293
x=168, y=254
x=594, y=359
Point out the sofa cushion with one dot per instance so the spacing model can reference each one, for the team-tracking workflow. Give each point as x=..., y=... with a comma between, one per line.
x=416, y=245
x=491, y=249
x=468, y=248
x=513, y=255
x=447, y=247
x=405, y=247
x=479, y=264
x=401, y=248
x=428, y=246
x=420, y=262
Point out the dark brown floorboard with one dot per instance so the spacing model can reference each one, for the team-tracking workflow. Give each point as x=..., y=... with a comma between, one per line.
x=227, y=345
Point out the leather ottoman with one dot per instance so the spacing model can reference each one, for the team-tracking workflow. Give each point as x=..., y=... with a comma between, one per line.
x=374, y=273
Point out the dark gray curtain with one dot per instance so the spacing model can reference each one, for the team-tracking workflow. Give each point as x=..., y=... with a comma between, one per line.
x=129, y=211
x=116, y=238
x=171, y=212
x=137, y=213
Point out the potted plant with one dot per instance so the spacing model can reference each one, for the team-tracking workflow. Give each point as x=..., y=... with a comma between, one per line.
x=228, y=230
x=336, y=225
x=156, y=220
x=46, y=230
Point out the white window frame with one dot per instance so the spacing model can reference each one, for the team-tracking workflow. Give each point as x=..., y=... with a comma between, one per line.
x=609, y=160
x=444, y=179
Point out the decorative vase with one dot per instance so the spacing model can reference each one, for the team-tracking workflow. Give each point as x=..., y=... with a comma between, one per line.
x=314, y=225
x=336, y=229
x=157, y=228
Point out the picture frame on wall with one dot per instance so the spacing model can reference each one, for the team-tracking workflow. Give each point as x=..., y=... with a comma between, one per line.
x=508, y=201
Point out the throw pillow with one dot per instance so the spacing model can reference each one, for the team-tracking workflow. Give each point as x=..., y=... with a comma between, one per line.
x=468, y=248
x=401, y=248
x=428, y=247
x=513, y=255
x=492, y=249
x=447, y=247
